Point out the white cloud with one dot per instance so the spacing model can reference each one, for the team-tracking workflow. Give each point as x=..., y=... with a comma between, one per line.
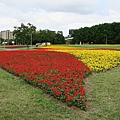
x=7, y=23
x=79, y=6
x=58, y=14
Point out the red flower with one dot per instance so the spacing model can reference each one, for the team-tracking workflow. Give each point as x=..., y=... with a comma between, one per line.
x=82, y=92
x=84, y=104
x=52, y=71
x=67, y=90
x=69, y=98
x=81, y=99
x=57, y=93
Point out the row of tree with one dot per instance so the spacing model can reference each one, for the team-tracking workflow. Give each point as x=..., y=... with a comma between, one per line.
x=107, y=33
x=27, y=34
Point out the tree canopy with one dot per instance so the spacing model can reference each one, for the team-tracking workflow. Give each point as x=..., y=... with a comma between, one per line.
x=107, y=33
x=27, y=34
x=23, y=34
x=49, y=36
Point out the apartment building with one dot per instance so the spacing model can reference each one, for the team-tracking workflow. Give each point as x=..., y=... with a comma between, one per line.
x=7, y=35
x=71, y=31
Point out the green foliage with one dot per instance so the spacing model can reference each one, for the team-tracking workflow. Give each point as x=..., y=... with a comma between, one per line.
x=1, y=40
x=27, y=34
x=48, y=36
x=24, y=33
x=21, y=101
x=98, y=34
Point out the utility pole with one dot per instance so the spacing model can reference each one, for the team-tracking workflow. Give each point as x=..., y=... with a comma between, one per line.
x=31, y=38
x=106, y=39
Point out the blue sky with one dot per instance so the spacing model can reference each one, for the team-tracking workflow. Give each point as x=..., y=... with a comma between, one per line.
x=58, y=14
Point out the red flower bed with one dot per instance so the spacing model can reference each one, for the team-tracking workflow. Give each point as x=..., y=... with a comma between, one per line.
x=56, y=73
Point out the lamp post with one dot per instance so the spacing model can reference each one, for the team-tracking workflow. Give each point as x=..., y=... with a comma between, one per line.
x=30, y=30
x=106, y=39
x=4, y=43
x=31, y=38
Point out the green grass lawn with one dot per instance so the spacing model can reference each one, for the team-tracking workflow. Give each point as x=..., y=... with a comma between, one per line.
x=117, y=46
x=97, y=46
x=21, y=101
x=106, y=95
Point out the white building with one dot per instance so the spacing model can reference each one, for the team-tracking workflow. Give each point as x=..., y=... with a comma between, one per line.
x=7, y=35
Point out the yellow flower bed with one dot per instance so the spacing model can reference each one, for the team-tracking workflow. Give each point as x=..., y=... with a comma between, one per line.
x=97, y=60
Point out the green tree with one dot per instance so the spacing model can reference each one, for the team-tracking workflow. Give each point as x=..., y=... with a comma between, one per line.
x=59, y=38
x=98, y=34
x=49, y=36
x=24, y=34
x=1, y=40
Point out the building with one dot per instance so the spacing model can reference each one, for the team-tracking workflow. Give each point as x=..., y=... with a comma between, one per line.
x=7, y=35
x=71, y=31
x=60, y=32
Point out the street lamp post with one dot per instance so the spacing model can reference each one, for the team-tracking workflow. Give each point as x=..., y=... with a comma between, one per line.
x=31, y=38
x=4, y=43
x=30, y=30
x=106, y=39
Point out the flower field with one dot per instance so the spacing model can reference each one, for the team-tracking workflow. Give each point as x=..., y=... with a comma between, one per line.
x=97, y=60
x=59, y=71
x=59, y=74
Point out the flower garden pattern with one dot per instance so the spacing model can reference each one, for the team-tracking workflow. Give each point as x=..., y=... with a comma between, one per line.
x=97, y=60
x=59, y=74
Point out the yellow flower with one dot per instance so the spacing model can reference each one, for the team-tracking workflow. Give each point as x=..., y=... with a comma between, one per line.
x=97, y=60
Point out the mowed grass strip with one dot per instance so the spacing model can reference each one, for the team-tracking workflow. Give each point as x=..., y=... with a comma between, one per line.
x=106, y=95
x=95, y=46
x=20, y=101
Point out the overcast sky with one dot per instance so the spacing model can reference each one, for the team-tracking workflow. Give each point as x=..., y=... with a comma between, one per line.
x=58, y=14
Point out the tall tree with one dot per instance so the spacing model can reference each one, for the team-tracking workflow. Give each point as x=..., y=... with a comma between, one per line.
x=98, y=34
x=23, y=34
x=49, y=36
